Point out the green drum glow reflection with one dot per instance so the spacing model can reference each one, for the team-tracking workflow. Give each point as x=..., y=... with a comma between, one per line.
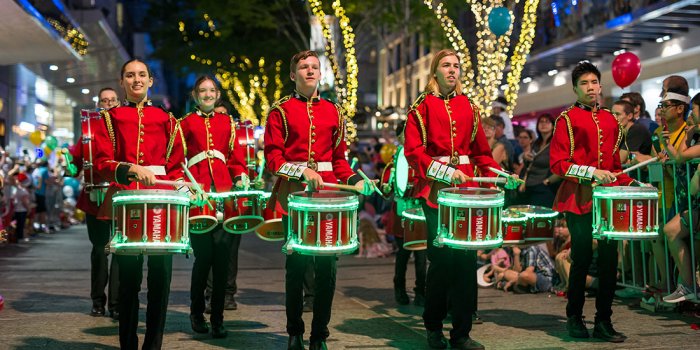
x=469, y=218
x=150, y=222
x=625, y=212
x=322, y=223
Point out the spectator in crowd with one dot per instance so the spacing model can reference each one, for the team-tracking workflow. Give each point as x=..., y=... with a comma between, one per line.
x=532, y=270
x=541, y=184
x=501, y=137
x=525, y=138
x=498, y=108
x=635, y=136
x=40, y=177
x=639, y=110
x=498, y=148
x=21, y=202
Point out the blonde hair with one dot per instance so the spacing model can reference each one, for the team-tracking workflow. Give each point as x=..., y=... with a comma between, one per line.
x=433, y=87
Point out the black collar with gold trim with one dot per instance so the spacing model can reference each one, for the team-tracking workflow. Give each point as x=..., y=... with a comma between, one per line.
x=586, y=107
x=128, y=103
x=312, y=99
x=204, y=114
x=449, y=96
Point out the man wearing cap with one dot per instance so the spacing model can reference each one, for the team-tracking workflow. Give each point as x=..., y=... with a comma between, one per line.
x=499, y=107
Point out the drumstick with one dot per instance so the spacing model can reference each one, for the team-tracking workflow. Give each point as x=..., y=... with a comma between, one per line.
x=503, y=173
x=262, y=169
x=195, y=184
x=340, y=186
x=637, y=166
x=495, y=180
x=362, y=173
x=164, y=182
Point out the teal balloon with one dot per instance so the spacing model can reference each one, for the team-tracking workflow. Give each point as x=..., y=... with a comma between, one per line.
x=51, y=142
x=499, y=20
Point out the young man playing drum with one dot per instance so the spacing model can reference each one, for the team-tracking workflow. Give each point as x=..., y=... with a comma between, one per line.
x=134, y=147
x=305, y=142
x=444, y=144
x=585, y=150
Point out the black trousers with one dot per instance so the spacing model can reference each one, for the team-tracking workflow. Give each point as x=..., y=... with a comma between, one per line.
x=402, y=257
x=581, y=254
x=211, y=252
x=451, y=281
x=99, y=234
x=324, y=288
x=160, y=268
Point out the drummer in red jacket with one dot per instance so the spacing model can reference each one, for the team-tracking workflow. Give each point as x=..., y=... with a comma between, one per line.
x=445, y=144
x=305, y=141
x=215, y=161
x=585, y=149
x=135, y=147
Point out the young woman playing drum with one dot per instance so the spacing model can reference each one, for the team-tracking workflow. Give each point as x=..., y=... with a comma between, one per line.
x=215, y=161
x=134, y=147
x=444, y=144
x=305, y=142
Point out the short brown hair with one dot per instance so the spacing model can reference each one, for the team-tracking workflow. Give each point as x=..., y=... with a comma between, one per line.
x=627, y=106
x=300, y=56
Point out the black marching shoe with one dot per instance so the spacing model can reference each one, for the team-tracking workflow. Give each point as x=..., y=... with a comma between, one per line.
x=114, y=314
x=476, y=319
x=437, y=340
x=97, y=311
x=401, y=296
x=605, y=331
x=230, y=303
x=296, y=342
x=218, y=331
x=419, y=300
x=576, y=328
x=466, y=344
x=199, y=324
x=318, y=345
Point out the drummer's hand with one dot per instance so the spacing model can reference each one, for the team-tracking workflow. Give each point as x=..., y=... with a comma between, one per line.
x=199, y=199
x=243, y=183
x=521, y=188
x=364, y=187
x=142, y=175
x=458, y=177
x=603, y=177
x=512, y=182
x=258, y=184
x=313, y=179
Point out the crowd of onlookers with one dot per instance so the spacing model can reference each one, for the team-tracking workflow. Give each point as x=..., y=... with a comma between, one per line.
x=36, y=198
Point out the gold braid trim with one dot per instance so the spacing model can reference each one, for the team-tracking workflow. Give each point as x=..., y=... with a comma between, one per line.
x=619, y=137
x=341, y=126
x=284, y=116
x=565, y=115
x=414, y=107
x=110, y=129
x=477, y=120
x=173, y=134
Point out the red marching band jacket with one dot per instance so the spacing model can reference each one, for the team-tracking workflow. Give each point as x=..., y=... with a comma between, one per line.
x=444, y=133
x=136, y=134
x=209, y=145
x=303, y=133
x=584, y=140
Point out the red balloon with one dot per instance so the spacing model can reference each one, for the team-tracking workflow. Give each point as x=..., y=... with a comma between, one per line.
x=625, y=69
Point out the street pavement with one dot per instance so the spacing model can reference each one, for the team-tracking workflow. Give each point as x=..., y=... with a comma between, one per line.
x=45, y=284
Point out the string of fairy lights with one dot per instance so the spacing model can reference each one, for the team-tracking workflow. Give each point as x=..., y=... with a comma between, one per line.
x=492, y=52
x=345, y=84
x=520, y=53
x=71, y=35
x=250, y=98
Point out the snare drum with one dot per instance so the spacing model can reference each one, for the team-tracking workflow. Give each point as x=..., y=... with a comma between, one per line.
x=245, y=135
x=469, y=218
x=322, y=223
x=540, y=222
x=514, y=225
x=623, y=212
x=405, y=175
x=271, y=229
x=415, y=231
x=203, y=219
x=241, y=210
x=150, y=222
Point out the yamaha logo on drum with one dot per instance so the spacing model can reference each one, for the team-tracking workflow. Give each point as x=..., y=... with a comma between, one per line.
x=328, y=230
x=157, y=223
x=639, y=212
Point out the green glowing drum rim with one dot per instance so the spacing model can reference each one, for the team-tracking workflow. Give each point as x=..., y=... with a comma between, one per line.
x=471, y=197
x=323, y=201
x=625, y=192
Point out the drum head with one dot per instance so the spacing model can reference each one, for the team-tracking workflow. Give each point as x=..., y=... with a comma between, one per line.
x=401, y=173
x=480, y=276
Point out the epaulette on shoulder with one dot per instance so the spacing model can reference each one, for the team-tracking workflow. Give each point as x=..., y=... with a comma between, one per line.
x=419, y=100
x=280, y=101
x=564, y=113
